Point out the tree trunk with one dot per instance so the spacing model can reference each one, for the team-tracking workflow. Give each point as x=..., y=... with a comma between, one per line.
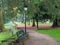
x=56, y=22
x=1, y=22
x=33, y=22
x=37, y=23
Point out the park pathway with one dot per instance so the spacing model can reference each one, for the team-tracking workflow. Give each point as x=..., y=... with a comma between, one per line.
x=39, y=39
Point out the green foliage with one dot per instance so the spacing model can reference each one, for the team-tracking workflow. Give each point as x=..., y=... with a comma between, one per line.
x=51, y=7
x=8, y=12
x=36, y=1
x=41, y=7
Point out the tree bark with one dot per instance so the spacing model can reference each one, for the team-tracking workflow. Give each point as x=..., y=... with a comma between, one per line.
x=33, y=22
x=37, y=23
x=1, y=22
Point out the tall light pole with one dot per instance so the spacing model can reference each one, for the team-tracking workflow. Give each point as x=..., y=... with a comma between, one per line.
x=25, y=12
x=26, y=2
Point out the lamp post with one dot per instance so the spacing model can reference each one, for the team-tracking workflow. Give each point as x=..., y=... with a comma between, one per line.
x=25, y=9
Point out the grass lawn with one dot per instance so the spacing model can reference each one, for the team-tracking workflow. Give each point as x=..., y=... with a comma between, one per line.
x=55, y=33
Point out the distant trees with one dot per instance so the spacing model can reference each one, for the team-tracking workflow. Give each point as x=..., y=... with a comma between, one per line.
x=51, y=8
x=47, y=9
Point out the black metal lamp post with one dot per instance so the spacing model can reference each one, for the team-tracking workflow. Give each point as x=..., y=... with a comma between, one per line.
x=25, y=9
x=26, y=2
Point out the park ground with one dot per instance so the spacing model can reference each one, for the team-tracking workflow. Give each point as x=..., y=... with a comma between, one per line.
x=36, y=38
x=45, y=35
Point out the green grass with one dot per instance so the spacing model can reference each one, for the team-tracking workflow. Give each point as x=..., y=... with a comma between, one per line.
x=54, y=33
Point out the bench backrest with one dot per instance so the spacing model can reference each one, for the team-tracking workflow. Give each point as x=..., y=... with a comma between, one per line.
x=19, y=33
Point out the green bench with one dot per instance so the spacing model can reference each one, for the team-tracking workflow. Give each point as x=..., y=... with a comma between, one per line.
x=22, y=36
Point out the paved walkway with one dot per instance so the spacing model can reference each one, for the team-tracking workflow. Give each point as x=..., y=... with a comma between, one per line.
x=39, y=39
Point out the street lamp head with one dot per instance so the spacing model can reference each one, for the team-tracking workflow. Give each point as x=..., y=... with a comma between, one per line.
x=25, y=8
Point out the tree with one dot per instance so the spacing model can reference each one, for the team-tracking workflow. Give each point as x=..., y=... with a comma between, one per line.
x=1, y=15
x=7, y=11
x=51, y=7
x=1, y=22
x=35, y=12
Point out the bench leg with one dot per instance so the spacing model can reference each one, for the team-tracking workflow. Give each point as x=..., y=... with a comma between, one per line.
x=16, y=44
x=21, y=43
